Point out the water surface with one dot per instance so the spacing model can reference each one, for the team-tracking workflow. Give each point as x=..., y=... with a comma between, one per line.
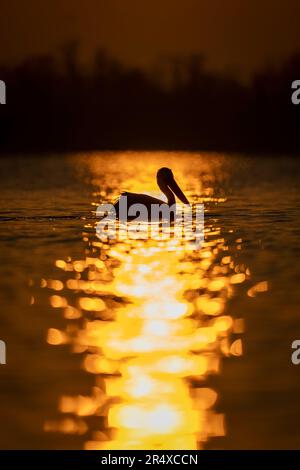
x=145, y=343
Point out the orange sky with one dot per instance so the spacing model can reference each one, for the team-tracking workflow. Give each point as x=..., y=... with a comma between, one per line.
x=237, y=35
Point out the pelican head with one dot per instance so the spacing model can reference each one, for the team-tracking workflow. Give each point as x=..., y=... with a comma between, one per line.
x=168, y=185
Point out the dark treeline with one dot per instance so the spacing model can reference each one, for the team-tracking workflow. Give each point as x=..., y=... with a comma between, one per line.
x=50, y=107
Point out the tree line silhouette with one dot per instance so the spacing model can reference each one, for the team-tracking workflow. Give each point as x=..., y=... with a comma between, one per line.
x=51, y=107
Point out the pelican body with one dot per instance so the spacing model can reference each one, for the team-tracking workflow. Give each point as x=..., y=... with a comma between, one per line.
x=167, y=185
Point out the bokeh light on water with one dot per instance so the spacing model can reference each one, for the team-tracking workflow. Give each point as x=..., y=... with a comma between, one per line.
x=150, y=319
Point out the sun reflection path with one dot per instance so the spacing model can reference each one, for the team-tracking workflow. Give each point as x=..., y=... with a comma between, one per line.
x=149, y=319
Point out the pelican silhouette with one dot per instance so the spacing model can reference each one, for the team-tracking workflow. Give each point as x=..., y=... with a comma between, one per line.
x=167, y=184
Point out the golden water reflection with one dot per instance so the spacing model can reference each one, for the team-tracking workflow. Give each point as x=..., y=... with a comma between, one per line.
x=151, y=321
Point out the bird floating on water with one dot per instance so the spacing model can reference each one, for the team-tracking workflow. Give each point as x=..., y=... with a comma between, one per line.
x=166, y=183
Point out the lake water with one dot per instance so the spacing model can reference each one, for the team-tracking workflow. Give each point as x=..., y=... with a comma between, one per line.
x=145, y=343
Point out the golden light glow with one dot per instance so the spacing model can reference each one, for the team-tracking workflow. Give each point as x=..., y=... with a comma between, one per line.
x=151, y=320
x=259, y=287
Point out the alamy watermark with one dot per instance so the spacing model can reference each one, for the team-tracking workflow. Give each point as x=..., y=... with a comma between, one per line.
x=295, y=357
x=2, y=352
x=2, y=92
x=296, y=93
x=151, y=221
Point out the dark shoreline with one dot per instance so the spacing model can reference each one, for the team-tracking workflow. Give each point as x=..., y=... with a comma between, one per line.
x=54, y=107
x=46, y=153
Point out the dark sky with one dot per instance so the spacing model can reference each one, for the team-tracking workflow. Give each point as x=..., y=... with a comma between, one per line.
x=238, y=35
